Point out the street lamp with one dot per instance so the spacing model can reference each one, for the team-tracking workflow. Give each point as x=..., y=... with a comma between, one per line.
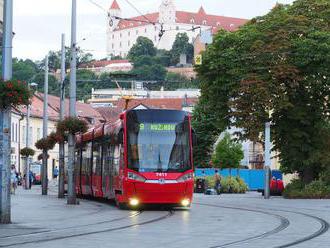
x=27, y=164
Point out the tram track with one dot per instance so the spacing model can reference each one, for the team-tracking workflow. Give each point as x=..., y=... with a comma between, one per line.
x=79, y=234
x=324, y=225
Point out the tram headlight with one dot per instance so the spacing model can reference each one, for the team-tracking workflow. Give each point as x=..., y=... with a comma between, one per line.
x=134, y=202
x=185, y=202
x=185, y=177
x=136, y=177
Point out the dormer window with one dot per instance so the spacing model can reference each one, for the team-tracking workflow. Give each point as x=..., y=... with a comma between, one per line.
x=218, y=23
x=232, y=25
x=204, y=22
x=192, y=20
x=131, y=24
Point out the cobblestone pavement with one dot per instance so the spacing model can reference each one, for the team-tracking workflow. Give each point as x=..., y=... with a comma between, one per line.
x=213, y=221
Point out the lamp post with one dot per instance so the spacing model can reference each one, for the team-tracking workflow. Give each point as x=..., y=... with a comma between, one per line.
x=27, y=164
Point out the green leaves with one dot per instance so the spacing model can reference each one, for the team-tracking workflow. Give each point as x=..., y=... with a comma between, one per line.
x=276, y=64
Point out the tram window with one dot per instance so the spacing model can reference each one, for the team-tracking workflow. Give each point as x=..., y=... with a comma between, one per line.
x=108, y=158
x=116, y=158
x=87, y=156
x=77, y=161
x=97, y=158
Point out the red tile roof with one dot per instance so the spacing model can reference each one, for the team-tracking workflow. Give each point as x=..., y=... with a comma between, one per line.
x=84, y=111
x=199, y=18
x=137, y=21
x=114, y=5
x=102, y=63
x=159, y=103
x=110, y=114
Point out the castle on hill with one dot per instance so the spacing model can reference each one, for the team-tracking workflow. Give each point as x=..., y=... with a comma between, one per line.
x=123, y=33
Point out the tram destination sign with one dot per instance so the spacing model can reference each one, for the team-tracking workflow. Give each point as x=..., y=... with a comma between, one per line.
x=157, y=127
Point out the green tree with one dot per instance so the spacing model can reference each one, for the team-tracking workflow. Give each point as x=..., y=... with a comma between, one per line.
x=155, y=72
x=276, y=64
x=142, y=47
x=228, y=153
x=180, y=46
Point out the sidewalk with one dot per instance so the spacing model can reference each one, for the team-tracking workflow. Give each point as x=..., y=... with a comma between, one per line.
x=32, y=212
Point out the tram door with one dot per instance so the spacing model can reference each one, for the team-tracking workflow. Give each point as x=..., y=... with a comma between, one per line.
x=86, y=171
x=97, y=169
x=107, y=156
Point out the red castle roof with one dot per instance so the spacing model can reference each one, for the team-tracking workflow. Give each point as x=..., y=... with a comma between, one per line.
x=184, y=17
x=114, y=5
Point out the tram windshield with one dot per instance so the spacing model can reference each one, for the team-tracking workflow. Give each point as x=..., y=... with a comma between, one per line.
x=158, y=141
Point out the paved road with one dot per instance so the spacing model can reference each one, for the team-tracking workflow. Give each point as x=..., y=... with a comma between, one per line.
x=213, y=221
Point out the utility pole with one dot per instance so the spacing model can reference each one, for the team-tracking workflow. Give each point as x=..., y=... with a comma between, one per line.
x=61, y=144
x=5, y=116
x=267, y=161
x=72, y=200
x=27, y=167
x=44, y=168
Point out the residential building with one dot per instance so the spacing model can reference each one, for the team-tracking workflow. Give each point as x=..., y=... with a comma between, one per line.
x=18, y=127
x=107, y=97
x=162, y=27
x=107, y=66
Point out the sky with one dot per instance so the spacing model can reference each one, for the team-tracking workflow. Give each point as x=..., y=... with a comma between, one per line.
x=38, y=24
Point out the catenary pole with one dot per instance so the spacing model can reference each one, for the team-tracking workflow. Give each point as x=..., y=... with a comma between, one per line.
x=72, y=106
x=5, y=116
x=44, y=168
x=27, y=133
x=267, y=161
x=61, y=144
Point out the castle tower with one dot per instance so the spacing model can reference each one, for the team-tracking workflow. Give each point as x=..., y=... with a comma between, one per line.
x=114, y=10
x=112, y=23
x=167, y=12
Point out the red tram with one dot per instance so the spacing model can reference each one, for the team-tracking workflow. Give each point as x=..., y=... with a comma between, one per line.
x=145, y=157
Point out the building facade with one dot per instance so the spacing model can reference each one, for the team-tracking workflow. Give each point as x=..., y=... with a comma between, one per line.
x=161, y=27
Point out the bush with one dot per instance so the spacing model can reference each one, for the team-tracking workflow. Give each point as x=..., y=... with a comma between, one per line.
x=47, y=143
x=71, y=125
x=14, y=93
x=315, y=190
x=27, y=152
x=228, y=184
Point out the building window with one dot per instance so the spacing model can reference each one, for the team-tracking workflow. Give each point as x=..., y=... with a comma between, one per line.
x=120, y=35
x=23, y=135
x=177, y=28
x=218, y=23
x=192, y=20
x=120, y=44
x=16, y=132
x=155, y=38
x=145, y=30
x=38, y=133
x=12, y=131
x=113, y=46
x=113, y=36
x=137, y=32
x=204, y=22
x=128, y=43
x=31, y=136
x=129, y=33
x=155, y=28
